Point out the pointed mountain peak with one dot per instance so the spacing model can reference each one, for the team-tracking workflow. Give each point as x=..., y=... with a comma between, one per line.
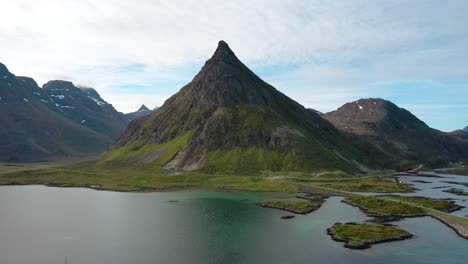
x=225, y=80
x=143, y=108
x=223, y=50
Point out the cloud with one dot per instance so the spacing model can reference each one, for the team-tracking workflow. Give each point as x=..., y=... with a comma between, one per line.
x=334, y=51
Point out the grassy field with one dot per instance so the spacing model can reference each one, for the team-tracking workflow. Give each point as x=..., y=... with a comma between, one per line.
x=358, y=184
x=376, y=206
x=361, y=236
x=123, y=180
x=391, y=205
x=436, y=204
x=144, y=178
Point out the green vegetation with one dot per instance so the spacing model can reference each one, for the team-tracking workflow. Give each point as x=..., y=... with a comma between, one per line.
x=142, y=156
x=297, y=207
x=456, y=191
x=383, y=207
x=458, y=171
x=436, y=204
x=400, y=205
x=115, y=176
x=246, y=161
x=361, y=236
x=123, y=179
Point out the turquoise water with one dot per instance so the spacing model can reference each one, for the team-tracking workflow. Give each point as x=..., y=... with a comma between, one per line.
x=44, y=225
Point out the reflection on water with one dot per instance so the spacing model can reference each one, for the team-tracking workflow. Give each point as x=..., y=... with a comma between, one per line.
x=43, y=225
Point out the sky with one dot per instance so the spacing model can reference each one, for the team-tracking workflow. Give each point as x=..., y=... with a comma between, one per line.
x=320, y=53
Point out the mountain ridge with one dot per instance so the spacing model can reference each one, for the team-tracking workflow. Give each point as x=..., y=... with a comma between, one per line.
x=32, y=131
x=400, y=137
x=85, y=106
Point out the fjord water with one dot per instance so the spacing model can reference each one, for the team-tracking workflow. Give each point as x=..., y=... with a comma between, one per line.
x=45, y=225
x=435, y=186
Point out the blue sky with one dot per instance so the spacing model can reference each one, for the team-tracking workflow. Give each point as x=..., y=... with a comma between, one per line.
x=321, y=53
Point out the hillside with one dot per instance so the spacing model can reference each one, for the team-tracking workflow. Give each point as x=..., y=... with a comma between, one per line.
x=31, y=131
x=228, y=120
x=400, y=137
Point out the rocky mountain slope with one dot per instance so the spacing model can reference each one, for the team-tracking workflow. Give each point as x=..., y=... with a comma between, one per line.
x=30, y=130
x=400, y=138
x=86, y=107
x=142, y=111
x=228, y=120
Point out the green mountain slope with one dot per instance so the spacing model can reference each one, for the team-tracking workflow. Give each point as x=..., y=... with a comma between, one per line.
x=228, y=120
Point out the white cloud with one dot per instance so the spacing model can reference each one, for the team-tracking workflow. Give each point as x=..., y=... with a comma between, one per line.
x=341, y=47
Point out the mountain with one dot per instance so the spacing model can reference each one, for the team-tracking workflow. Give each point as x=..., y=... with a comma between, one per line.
x=461, y=134
x=466, y=129
x=142, y=111
x=228, y=120
x=30, y=130
x=85, y=106
x=399, y=137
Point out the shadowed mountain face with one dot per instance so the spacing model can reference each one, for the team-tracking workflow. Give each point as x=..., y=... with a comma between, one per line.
x=85, y=107
x=466, y=129
x=229, y=120
x=401, y=138
x=32, y=130
x=142, y=111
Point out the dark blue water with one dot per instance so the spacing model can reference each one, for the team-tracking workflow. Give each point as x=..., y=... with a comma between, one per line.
x=44, y=225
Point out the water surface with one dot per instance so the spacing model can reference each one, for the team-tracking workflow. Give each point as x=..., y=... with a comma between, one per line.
x=44, y=225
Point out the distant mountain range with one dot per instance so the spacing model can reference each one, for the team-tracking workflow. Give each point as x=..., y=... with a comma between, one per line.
x=225, y=121
x=142, y=111
x=57, y=121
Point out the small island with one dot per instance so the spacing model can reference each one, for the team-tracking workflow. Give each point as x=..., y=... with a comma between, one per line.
x=421, y=181
x=297, y=207
x=363, y=236
x=456, y=191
